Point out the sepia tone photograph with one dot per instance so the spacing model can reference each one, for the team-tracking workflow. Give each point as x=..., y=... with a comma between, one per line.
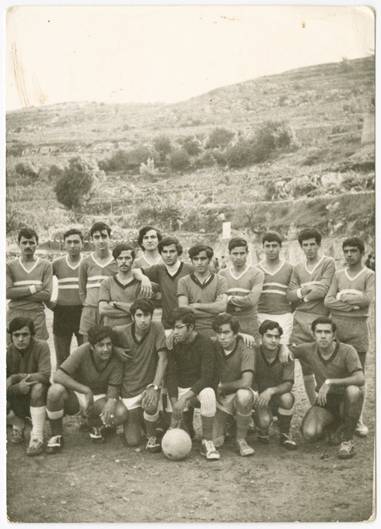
x=190, y=263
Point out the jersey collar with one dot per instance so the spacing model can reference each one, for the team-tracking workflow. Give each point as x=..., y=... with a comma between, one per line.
x=202, y=285
x=333, y=355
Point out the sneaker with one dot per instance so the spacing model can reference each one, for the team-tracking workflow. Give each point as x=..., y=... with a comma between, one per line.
x=96, y=434
x=361, y=429
x=346, y=450
x=286, y=441
x=263, y=436
x=35, y=448
x=244, y=449
x=209, y=451
x=17, y=436
x=153, y=445
x=55, y=444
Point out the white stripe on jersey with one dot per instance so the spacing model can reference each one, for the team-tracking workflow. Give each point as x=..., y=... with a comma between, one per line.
x=27, y=282
x=311, y=283
x=97, y=278
x=68, y=280
x=273, y=291
x=68, y=287
x=274, y=284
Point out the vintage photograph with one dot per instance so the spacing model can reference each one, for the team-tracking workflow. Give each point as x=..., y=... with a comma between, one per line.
x=190, y=263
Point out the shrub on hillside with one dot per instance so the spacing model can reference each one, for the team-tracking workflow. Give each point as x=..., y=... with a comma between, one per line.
x=162, y=146
x=25, y=169
x=240, y=155
x=74, y=185
x=126, y=160
x=179, y=160
x=191, y=145
x=54, y=172
x=204, y=160
x=219, y=137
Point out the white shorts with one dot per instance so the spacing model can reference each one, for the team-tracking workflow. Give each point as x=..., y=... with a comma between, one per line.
x=181, y=392
x=227, y=402
x=132, y=403
x=284, y=320
x=83, y=401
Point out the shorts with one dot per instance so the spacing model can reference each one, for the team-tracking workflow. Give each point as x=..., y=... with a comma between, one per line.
x=353, y=331
x=82, y=399
x=66, y=320
x=90, y=316
x=226, y=403
x=181, y=392
x=132, y=403
x=20, y=405
x=284, y=320
x=38, y=319
x=334, y=405
x=302, y=333
x=274, y=404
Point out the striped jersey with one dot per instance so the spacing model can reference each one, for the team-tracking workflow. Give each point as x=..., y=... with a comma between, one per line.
x=68, y=281
x=40, y=275
x=91, y=274
x=361, y=284
x=319, y=278
x=240, y=287
x=273, y=299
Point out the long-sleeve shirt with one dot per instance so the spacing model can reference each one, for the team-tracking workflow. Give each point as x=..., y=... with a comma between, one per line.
x=35, y=359
x=273, y=298
x=244, y=290
x=91, y=274
x=68, y=281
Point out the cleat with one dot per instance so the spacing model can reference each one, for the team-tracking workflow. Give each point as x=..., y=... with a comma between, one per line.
x=286, y=441
x=244, y=449
x=209, y=451
x=35, y=448
x=55, y=444
x=346, y=450
x=96, y=434
x=153, y=445
x=17, y=436
x=361, y=429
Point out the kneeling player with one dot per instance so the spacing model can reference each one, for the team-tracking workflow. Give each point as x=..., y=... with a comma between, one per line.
x=273, y=380
x=234, y=394
x=339, y=379
x=191, y=379
x=89, y=381
x=28, y=372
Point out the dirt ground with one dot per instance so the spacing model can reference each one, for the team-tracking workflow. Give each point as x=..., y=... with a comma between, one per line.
x=112, y=483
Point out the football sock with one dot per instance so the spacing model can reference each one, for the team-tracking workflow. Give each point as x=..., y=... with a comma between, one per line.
x=55, y=420
x=243, y=422
x=38, y=415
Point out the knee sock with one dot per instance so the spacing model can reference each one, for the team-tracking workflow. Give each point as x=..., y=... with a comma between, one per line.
x=55, y=420
x=242, y=422
x=38, y=415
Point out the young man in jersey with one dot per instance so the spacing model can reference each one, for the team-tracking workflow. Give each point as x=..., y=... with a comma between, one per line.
x=117, y=293
x=244, y=283
x=88, y=380
x=309, y=285
x=273, y=303
x=339, y=379
x=28, y=372
x=141, y=346
x=202, y=291
x=148, y=240
x=235, y=396
x=192, y=379
x=348, y=299
x=273, y=380
x=29, y=283
x=68, y=306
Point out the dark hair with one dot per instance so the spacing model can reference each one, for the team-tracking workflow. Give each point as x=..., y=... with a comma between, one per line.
x=145, y=305
x=356, y=242
x=72, y=231
x=236, y=242
x=122, y=247
x=272, y=236
x=195, y=250
x=28, y=233
x=224, y=317
x=309, y=233
x=97, y=333
x=167, y=241
x=269, y=325
x=20, y=322
x=144, y=230
x=325, y=320
x=183, y=314
x=100, y=226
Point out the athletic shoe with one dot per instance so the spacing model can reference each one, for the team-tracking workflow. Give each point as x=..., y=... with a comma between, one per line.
x=361, y=429
x=346, y=450
x=209, y=451
x=35, y=448
x=243, y=448
x=153, y=446
x=55, y=444
x=17, y=436
x=263, y=436
x=96, y=434
x=286, y=441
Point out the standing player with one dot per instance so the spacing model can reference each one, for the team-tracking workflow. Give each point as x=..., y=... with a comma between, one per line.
x=202, y=291
x=273, y=303
x=309, y=285
x=142, y=347
x=92, y=271
x=88, y=380
x=273, y=380
x=191, y=379
x=29, y=283
x=235, y=398
x=28, y=372
x=117, y=293
x=148, y=240
x=68, y=307
x=348, y=299
x=339, y=378
x=244, y=283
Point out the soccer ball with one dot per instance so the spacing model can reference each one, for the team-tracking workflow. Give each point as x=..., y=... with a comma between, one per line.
x=176, y=444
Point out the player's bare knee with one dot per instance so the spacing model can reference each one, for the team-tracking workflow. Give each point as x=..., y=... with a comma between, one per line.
x=353, y=393
x=287, y=401
x=38, y=394
x=121, y=413
x=244, y=398
x=56, y=392
x=263, y=420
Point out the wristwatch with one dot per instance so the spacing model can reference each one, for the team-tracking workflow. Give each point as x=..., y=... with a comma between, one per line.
x=327, y=382
x=154, y=386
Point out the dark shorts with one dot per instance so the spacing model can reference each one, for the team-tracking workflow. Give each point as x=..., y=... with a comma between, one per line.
x=66, y=319
x=20, y=405
x=334, y=404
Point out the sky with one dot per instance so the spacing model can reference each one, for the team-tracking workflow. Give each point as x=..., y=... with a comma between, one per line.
x=149, y=54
